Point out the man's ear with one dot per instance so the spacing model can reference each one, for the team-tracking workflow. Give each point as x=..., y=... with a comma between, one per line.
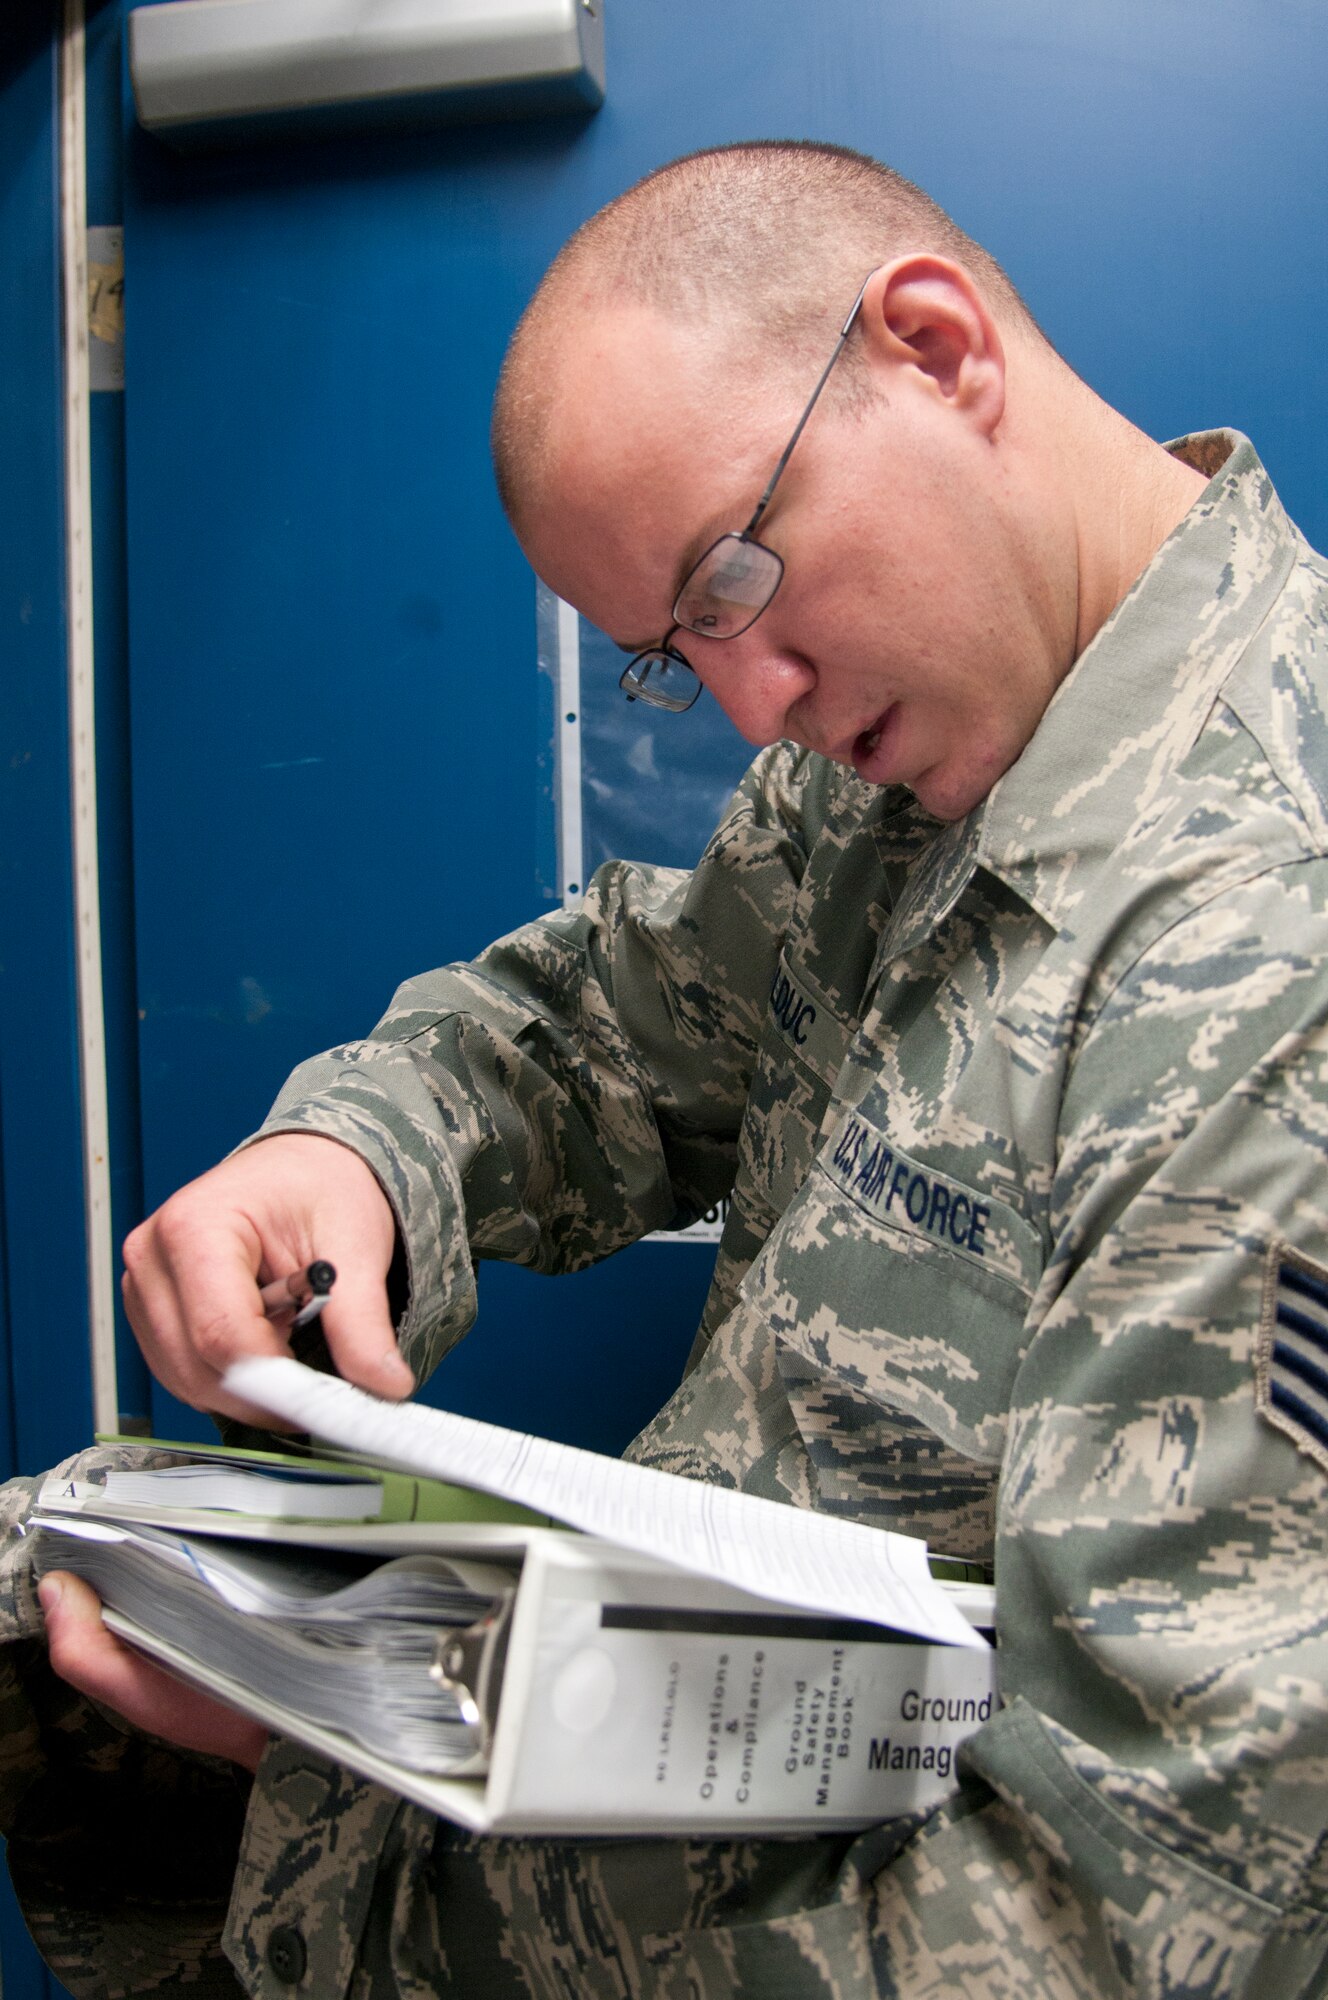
x=925, y=314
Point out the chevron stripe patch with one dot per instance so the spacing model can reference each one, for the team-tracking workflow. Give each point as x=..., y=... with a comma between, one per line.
x=1291, y=1362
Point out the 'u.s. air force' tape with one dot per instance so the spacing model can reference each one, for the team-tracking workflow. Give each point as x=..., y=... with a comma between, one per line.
x=885, y=1182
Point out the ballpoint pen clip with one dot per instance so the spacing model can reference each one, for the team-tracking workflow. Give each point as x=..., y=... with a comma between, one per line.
x=302, y=1293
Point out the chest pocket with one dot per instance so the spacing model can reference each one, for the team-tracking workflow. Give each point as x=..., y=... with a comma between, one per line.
x=909, y=1287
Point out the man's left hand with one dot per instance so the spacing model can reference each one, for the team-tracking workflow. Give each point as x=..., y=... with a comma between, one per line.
x=92, y=1659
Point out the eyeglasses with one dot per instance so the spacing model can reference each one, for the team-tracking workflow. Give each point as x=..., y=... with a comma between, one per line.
x=725, y=592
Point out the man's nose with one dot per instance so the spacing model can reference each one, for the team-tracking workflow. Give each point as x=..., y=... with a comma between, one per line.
x=754, y=681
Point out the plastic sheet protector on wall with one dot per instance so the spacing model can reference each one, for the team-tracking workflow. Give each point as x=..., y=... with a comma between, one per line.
x=629, y=782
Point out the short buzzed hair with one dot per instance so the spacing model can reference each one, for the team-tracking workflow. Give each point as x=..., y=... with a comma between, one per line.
x=768, y=239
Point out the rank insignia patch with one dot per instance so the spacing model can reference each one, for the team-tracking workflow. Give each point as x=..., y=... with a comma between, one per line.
x=1291, y=1360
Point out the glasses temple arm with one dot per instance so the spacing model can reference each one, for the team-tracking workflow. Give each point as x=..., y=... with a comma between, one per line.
x=787, y=452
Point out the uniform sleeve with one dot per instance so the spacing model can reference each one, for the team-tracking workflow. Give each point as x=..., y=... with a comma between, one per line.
x=1149, y=1812
x=581, y=1082
x=120, y=1847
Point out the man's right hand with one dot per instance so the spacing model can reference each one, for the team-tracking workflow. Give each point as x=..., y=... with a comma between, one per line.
x=193, y=1270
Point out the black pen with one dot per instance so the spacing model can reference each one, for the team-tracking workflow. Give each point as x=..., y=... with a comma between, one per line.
x=303, y=1293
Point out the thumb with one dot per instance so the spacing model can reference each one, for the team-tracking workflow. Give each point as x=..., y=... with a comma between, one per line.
x=362, y=1340
x=79, y=1644
x=343, y=1215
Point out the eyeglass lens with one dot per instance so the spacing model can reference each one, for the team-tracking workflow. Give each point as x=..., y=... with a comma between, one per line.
x=729, y=588
x=663, y=680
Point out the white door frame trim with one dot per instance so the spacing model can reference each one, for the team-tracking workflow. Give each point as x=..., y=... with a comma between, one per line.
x=98, y=1233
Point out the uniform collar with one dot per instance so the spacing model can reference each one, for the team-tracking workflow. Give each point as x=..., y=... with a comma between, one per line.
x=1135, y=700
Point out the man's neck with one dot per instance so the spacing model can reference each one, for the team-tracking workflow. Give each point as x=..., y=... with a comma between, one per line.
x=1131, y=494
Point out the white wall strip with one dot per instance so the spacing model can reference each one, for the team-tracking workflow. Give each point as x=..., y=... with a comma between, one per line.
x=82, y=723
x=567, y=739
x=571, y=855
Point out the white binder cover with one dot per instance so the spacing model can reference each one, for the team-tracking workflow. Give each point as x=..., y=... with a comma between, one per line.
x=638, y=1699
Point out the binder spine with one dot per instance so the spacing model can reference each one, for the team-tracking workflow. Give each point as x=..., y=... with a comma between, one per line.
x=653, y=1702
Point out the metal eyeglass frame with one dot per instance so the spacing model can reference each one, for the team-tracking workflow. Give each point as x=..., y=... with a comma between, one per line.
x=633, y=680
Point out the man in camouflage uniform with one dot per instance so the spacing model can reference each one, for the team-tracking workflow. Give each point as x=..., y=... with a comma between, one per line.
x=1000, y=1007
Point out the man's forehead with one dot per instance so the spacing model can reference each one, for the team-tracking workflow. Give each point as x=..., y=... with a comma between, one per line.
x=623, y=377
x=652, y=448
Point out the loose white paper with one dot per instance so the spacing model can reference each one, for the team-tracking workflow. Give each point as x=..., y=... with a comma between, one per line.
x=789, y=1554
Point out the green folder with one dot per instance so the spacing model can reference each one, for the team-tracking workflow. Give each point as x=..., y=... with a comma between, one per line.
x=406, y=1496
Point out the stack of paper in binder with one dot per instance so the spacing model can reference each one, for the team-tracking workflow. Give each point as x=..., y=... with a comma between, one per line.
x=675, y=1657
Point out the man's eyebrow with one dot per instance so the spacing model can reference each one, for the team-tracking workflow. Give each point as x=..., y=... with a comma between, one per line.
x=699, y=545
x=690, y=561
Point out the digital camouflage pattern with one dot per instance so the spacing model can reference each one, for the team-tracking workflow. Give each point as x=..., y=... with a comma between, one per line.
x=1025, y=1121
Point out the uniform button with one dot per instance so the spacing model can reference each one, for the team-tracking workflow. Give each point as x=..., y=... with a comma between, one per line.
x=286, y=1954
